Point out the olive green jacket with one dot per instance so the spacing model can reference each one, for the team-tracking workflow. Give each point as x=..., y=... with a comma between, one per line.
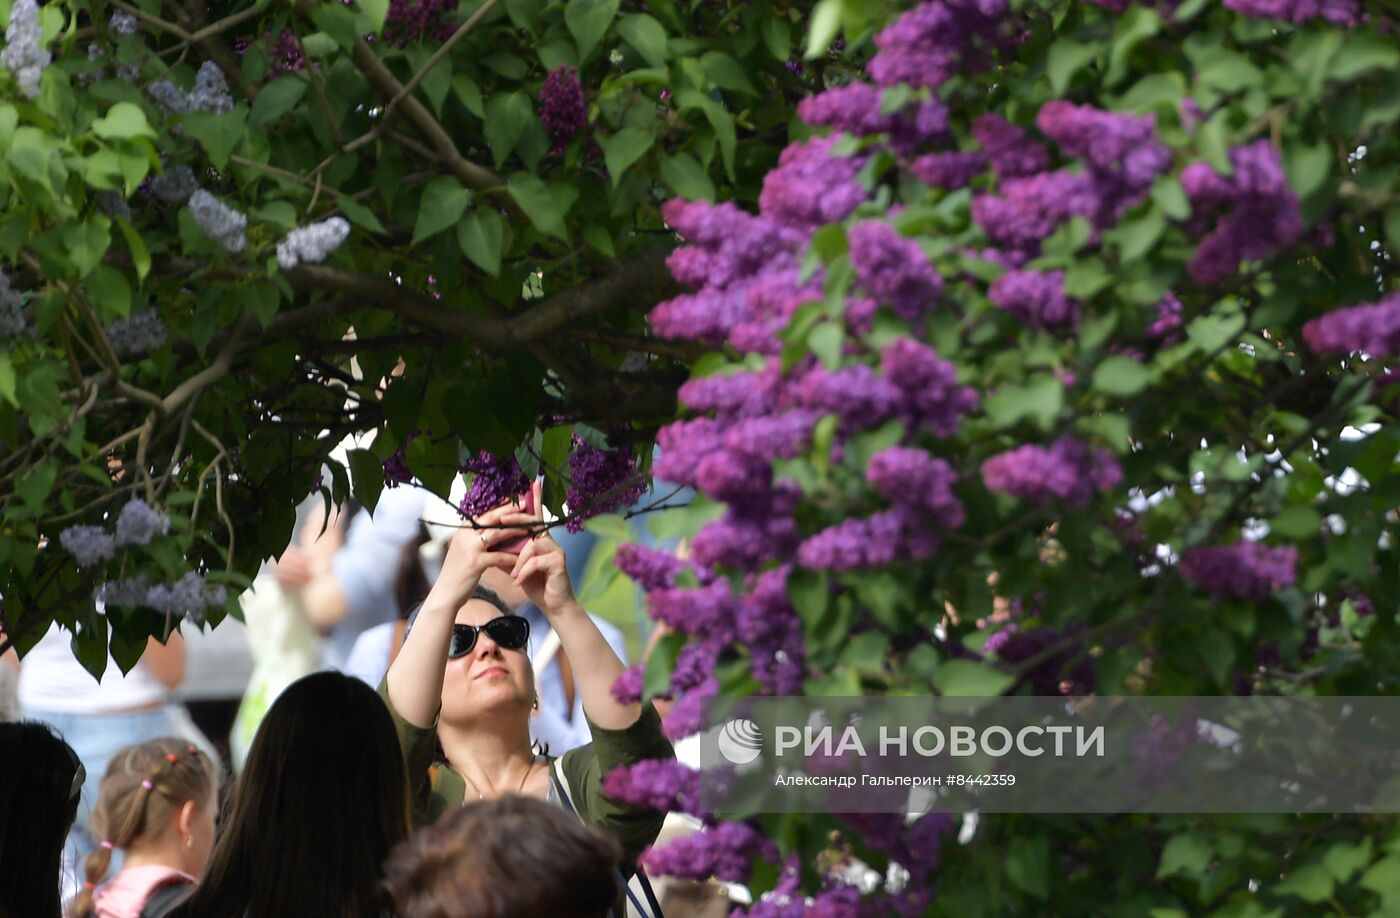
x=436, y=787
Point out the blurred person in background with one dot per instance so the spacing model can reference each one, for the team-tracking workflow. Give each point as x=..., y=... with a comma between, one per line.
x=39, y=788
x=376, y=648
x=515, y=857
x=100, y=717
x=156, y=811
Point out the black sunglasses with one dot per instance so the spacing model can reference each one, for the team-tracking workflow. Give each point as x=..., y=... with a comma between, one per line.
x=508, y=631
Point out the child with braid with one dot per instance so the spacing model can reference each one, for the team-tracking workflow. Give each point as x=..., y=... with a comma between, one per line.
x=156, y=805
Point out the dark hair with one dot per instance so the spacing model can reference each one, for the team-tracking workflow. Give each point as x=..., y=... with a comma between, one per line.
x=144, y=786
x=514, y=857
x=321, y=801
x=485, y=594
x=38, y=804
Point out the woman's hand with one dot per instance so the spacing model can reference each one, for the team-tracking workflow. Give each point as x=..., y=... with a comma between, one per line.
x=542, y=570
x=469, y=553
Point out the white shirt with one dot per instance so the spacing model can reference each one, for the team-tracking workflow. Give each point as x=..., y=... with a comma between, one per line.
x=52, y=679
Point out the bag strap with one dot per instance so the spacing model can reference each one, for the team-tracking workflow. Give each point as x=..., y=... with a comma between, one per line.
x=164, y=899
x=560, y=788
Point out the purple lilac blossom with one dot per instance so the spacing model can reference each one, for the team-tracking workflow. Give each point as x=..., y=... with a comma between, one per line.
x=770, y=627
x=628, y=687
x=932, y=398
x=1109, y=142
x=900, y=534
x=732, y=396
x=780, y=436
x=810, y=187
x=595, y=472
x=1261, y=214
x=935, y=40
x=687, y=715
x=724, y=851
x=857, y=395
x=562, y=106
x=89, y=545
x=706, y=612
x=1010, y=152
x=1159, y=747
x=1167, y=326
x=142, y=332
x=664, y=785
x=1028, y=209
x=949, y=171
x=1373, y=329
x=139, y=522
x=651, y=569
x=894, y=270
x=494, y=482
x=911, y=476
x=1244, y=570
x=409, y=20
x=1036, y=298
x=1070, y=664
x=1067, y=470
x=1337, y=12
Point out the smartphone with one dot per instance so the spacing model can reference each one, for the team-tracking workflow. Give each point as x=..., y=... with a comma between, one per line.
x=514, y=546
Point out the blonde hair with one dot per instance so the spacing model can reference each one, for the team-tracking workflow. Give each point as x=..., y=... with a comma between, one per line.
x=146, y=784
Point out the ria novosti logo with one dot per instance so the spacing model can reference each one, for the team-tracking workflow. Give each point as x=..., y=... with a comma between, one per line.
x=740, y=742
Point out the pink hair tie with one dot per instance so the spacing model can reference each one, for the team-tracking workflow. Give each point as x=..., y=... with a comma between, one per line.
x=107, y=845
x=147, y=784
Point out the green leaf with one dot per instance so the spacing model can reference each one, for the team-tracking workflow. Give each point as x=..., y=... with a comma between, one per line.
x=276, y=99
x=1216, y=652
x=1343, y=860
x=545, y=205
x=140, y=255
x=588, y=22
x=777, y=37
x=506, y=116
x=442, y=205
x=467, y=92
x=684, y=175
x=1308, y=167
x=720, y=119
x=825, y=24
x=7, y=379
x=1311, y=883
x=217, y=134
x=726, y=73
x=966, y=679
x=1135, y=238
x=123, y=121
x=646, y=36
x=1066, y=58
x=1028, y=865
x=624, y=148
x=1383, y=878
x=1363, y=52
x=1212, y=332
x=1296, y=522
x=480, y=235
x=37, y=483
x=1187, y=854
x=377, y=11
x=359, y=214
x=1121, y=376
x=1041, y=398
x=366, y=477
x=1213, y=139
x=1168, y=194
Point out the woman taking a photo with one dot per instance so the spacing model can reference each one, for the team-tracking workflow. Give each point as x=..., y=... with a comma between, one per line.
x=463, y=680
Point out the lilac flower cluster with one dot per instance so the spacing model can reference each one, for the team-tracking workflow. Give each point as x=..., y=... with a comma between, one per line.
x=562, y=106
x=1259, y=211
x=1036, y=298
x=913, y=477
x=139, y=522
x=1244, y=570
x=1162, y=744
x=114, y=205
x=856, y=109
x=169, y=97
x=211, y=92
x=1121, y=150
x=89, y=545
x=1337, y=12
x=1007, y=148
x=894, y=270
x=174, y=185
x=810, y=187
x=224, y=225
x=1373, y=329
x=396, y=470
x=935, y=40
x=724, y=851
x=949, y=171
x=410, y=20
x=1167, y=326
x=189, y=596
x=138, y=334
x=664, y=785
x=12, y=321
x=494, y=481
x=1068, y=470
x=1067, y=670
x=312, y=243
x=596, y=482
x=25, y=55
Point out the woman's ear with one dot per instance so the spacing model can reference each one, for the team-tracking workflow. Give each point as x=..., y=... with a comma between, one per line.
x=184, y=819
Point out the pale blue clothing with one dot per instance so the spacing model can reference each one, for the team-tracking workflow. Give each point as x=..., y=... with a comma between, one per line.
x=551, y=726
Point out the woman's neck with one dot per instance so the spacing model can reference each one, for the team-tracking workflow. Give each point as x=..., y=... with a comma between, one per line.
x=493, y=757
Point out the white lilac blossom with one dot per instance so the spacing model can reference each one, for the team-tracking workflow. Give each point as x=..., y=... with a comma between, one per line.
x=24, y=54
x=129, y=591
x=170, y=97
x=139, y=522
x=12, y=323
x=174, y=185
x=89, y=545
x=122, y=23
x=113, y=205
x=312, y=243
x=210, y=93
x=223, y=224
x=188, y=596
x=141, y=333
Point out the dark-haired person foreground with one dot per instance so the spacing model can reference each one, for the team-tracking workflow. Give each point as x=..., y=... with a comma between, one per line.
x=516, y=857
x=40, y=782
x=463, y=679
x=321, y=802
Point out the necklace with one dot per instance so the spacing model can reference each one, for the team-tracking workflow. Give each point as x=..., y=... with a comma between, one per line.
x=518, y=790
